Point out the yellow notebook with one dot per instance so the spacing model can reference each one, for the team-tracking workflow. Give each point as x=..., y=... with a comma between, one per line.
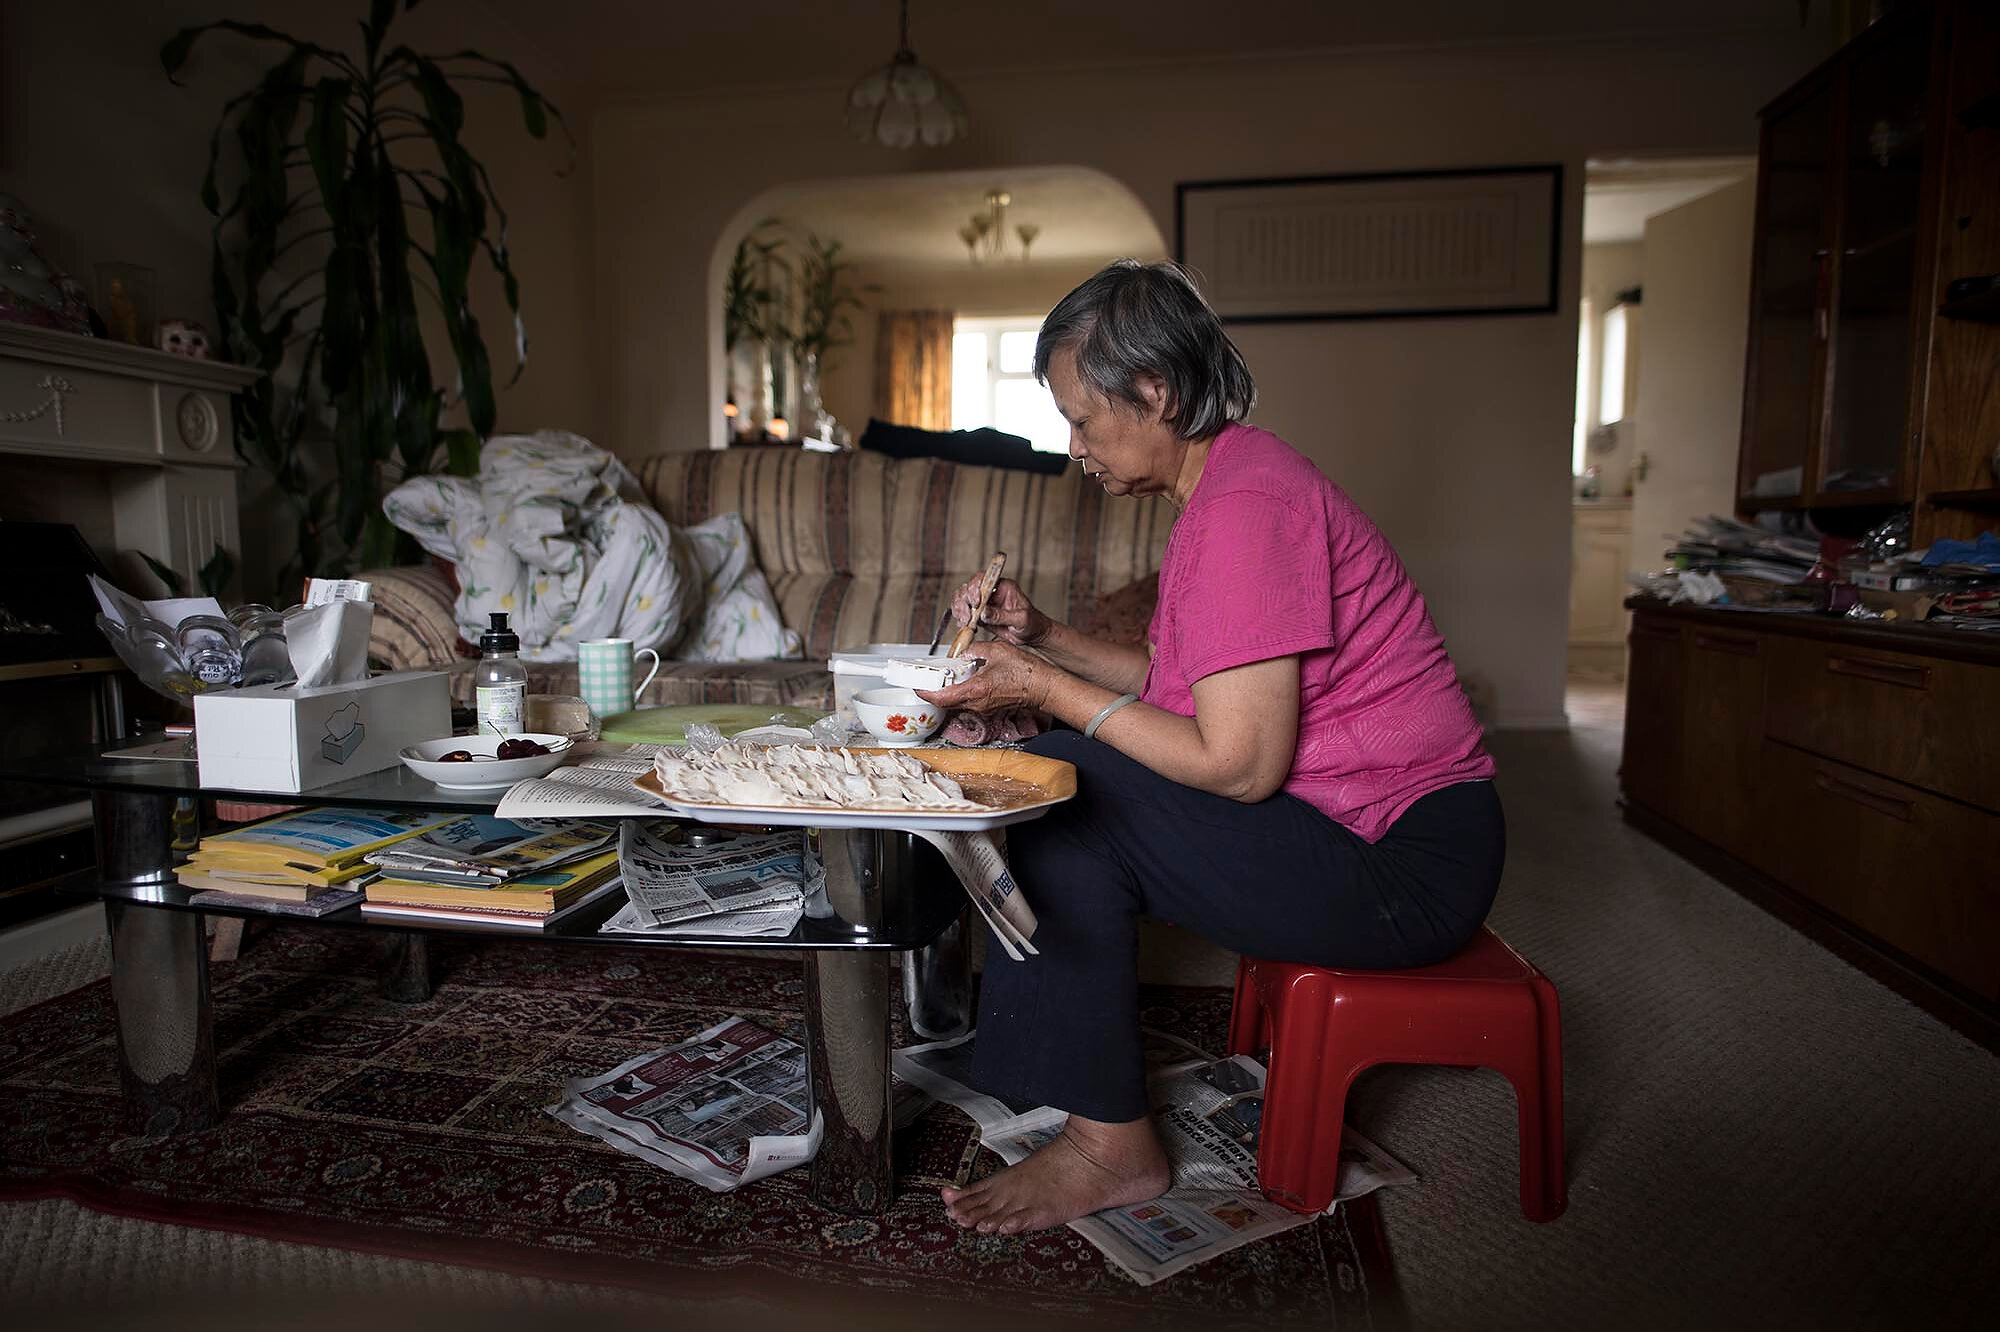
x=315, y=840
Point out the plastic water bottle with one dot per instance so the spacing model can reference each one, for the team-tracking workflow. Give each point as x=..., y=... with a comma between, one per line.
x=500, y=684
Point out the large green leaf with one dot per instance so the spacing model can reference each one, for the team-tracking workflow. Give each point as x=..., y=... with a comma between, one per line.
x=175, y=50
x=330, y=302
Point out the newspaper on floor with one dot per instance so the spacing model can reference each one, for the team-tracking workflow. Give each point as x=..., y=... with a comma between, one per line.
x=1207, y=1112
x=671, y=882
x=725, y=1107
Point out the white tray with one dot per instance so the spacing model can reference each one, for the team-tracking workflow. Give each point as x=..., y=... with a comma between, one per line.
x=1050, y=774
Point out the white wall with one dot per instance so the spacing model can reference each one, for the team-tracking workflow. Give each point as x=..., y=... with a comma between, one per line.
x=1690, y=413
x=1453, y=433
x=109, y=155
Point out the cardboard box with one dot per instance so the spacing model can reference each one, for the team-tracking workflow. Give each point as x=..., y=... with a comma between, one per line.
x=288, y=739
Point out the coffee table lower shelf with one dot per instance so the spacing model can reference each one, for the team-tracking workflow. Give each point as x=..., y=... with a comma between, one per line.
x=889, y=893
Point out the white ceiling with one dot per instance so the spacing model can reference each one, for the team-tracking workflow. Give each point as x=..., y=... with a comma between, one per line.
x=657, y=47
x=1618, y=197
x=911, y=221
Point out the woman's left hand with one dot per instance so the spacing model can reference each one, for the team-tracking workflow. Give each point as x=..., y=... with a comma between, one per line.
x=1012, y=677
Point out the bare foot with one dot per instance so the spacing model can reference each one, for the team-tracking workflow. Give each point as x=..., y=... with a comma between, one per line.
x=1089, y=1166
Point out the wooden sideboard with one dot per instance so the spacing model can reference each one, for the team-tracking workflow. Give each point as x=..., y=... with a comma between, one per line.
x=1844, y=775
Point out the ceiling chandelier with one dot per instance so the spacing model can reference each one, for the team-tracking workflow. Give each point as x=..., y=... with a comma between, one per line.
x=904, y=102
x=985, y=233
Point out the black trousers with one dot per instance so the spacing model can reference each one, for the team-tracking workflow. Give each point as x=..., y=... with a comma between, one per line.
x=1276, y=879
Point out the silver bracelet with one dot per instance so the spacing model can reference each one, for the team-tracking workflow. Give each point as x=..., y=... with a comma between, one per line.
x=1090, y=728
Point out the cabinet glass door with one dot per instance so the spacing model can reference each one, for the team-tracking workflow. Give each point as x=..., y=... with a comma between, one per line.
x=1882, y=152
x=1792, y=245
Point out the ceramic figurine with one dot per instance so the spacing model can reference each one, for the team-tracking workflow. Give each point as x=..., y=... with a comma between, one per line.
x=184, y=337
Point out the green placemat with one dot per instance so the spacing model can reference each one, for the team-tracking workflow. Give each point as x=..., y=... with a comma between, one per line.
x=667, y=726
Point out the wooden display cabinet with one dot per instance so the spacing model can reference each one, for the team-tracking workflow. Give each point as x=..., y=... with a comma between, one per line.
x=1878, y=184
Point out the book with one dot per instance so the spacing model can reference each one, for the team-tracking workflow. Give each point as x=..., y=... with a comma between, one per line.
x=321, y=904
x=272, y=889
x=276, y=885
x=478, y=849
x=391, y=912
x=314, y=845
x=529, y=894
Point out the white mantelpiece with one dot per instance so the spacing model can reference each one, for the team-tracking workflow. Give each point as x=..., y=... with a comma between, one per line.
x=159, y=424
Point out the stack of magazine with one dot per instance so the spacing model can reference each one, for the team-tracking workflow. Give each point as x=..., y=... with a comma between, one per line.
x=523, y=873
x=304, y=863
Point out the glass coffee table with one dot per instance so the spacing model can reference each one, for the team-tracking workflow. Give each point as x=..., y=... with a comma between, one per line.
x=889, y=894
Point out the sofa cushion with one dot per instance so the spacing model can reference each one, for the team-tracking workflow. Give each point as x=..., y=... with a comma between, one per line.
x=413, y=626
x=1125, y=616
x=811, y=513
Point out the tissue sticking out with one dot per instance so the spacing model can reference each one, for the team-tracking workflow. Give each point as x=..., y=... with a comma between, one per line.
x=928, y=673
x=798, y=775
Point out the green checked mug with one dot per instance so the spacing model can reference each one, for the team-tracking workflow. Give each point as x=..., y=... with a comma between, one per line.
x=604, y=670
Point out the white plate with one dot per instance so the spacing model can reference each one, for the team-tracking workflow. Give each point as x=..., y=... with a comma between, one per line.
x=484, y=773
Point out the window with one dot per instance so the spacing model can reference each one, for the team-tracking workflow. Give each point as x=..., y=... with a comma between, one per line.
x=1611, y=393
x=993, y=382
x=1580, y=428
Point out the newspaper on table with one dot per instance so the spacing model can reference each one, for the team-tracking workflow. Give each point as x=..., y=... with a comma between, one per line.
x=1207, y=1112
x=597, y=786
x=670, y=883
x=600, y=785
x=725, y=1107
x=759, y=923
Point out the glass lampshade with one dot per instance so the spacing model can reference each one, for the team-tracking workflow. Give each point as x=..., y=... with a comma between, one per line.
x=904, y=103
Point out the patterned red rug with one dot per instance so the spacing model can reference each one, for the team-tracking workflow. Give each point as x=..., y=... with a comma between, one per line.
x=418, y=1131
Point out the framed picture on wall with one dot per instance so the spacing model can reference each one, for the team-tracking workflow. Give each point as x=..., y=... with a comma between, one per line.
x=1380, y=245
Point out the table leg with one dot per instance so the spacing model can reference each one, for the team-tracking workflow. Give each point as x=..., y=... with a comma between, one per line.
x=847, y=1030
x=847, y=1051
x=159, y=969
x=937, y=982
x=166, y=1037
x=405, y=977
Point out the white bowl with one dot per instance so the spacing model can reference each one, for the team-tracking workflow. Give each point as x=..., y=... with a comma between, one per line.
x=484, y=772
x=897, y=718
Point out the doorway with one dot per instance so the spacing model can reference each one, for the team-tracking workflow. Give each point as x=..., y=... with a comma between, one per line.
x=1659, y=386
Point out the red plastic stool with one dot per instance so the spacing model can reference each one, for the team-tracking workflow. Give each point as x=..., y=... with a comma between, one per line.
x=1485, y=1008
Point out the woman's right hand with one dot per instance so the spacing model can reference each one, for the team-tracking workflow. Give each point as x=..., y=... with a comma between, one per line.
x=1009, y=613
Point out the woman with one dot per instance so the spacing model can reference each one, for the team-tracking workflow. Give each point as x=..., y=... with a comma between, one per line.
x=1288, y=768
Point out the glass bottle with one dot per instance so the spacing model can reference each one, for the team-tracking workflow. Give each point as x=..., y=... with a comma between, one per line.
x=500, y=683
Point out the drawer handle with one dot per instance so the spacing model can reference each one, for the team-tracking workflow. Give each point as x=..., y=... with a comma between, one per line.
x=1741, y=644
x=1663, y=633
x=1882, y=672
x=1861, y=795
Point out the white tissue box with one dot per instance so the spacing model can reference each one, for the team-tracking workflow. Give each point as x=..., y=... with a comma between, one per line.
x=290, y=739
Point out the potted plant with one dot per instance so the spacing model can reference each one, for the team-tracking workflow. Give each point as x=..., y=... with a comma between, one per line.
x=317, y=269
x=826, y=294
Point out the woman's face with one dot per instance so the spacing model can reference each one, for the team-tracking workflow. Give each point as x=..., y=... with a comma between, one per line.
x=1125, y=449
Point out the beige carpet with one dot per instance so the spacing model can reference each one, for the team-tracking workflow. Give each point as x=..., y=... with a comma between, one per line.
x=1759, y=1136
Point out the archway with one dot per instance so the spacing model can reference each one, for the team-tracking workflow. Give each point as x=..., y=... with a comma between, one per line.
x=902, y=232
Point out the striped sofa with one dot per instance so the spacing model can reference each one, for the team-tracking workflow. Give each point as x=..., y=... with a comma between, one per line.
x=858, y=548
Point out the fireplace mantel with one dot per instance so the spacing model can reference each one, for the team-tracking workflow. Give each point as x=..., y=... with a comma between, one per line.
x=159, y=425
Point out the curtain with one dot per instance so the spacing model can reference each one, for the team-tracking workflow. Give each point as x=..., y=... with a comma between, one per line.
x=913, y=368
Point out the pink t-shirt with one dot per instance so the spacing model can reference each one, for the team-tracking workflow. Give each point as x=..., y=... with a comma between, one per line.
x=1272, y=559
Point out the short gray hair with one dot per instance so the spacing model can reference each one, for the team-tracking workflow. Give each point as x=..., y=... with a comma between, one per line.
x=1132, y=319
